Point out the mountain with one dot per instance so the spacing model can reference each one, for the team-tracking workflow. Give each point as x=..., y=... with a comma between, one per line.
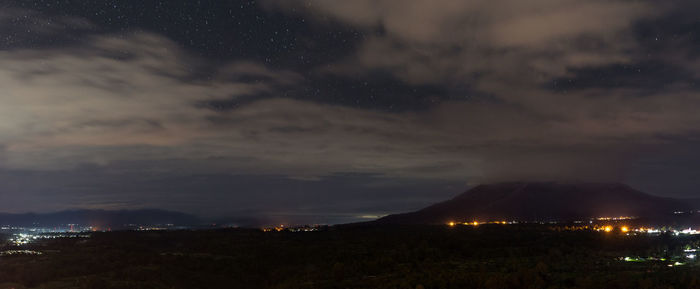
x=527, y=201
x=99, y=218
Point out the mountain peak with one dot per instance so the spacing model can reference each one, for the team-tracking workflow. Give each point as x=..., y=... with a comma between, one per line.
x=535, y=201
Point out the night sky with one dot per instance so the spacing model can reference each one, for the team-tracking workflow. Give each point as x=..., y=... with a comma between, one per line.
x=334, y=111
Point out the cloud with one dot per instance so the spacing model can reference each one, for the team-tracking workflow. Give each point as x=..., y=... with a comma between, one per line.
x=134, y=104
x=138, y=89
x=513, y=52
x=464, y=41
x=137, y=106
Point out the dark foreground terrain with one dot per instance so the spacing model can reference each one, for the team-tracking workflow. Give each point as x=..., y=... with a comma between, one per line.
x=488, y=256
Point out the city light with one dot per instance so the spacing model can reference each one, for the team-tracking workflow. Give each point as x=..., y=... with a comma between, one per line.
x=19, y=252
x=611, y=224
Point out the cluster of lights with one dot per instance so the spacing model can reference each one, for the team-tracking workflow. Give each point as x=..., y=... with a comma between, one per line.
x=276, y=229
x=689, y=254
x=304, y=228
x=67, y=228
x=476, y=223
x=688, y=231
x=615, y=218
x=19, y=252
x=23, y=239
x=647, y=230
x=142, y=228
x=605, y=228
x=626, y=229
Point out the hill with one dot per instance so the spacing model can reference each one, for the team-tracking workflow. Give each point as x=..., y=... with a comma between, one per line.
x=543, y=201
x=99, y=218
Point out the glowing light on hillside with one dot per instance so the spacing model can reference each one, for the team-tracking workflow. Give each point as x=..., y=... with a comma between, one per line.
x=608, y=228
x=625, y=229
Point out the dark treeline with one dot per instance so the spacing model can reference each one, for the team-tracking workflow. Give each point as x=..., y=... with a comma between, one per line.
x=489, y=256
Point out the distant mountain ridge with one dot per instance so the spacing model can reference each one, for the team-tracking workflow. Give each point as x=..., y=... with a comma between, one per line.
x=115, y=218
x=532, y=201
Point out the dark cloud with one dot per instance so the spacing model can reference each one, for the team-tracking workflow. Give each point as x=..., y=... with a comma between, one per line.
x=575, y=83
x=351, y=108
x=666, y=77
x=428, y=41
